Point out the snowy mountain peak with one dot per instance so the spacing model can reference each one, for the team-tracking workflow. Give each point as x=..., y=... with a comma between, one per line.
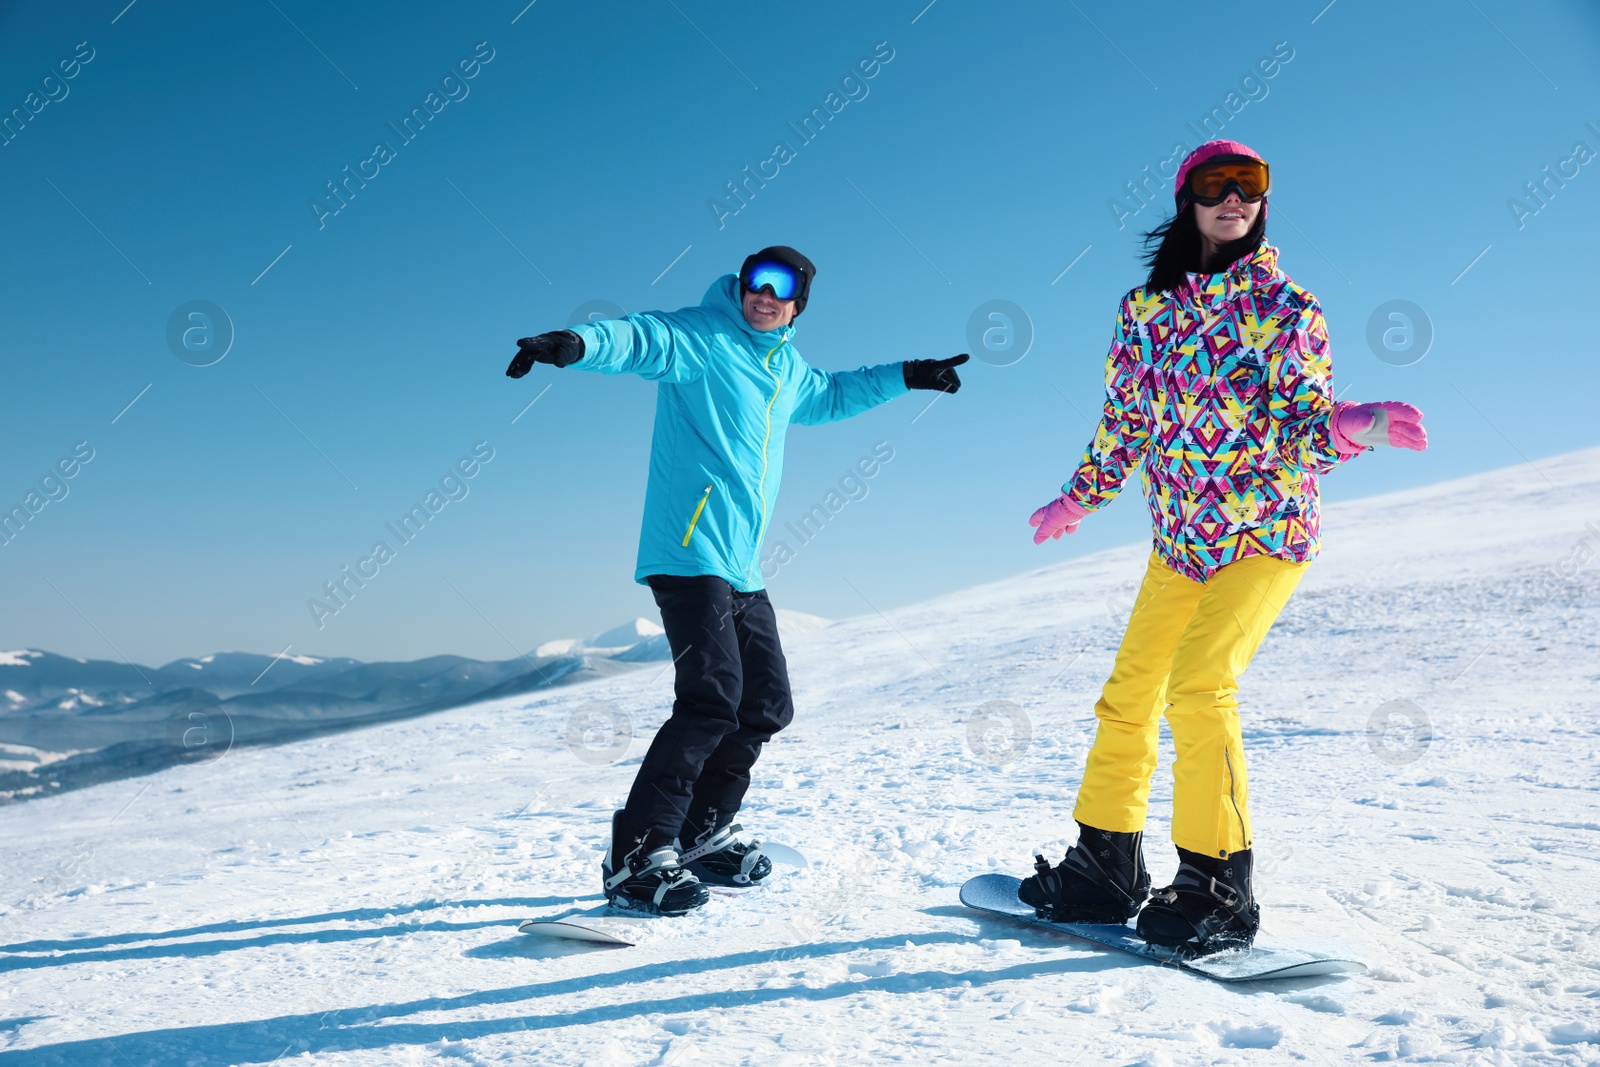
x=19, y=658
x=627, y=635
x=794, y=623
x=612, y=642
x=643, y=640
x=246, y=665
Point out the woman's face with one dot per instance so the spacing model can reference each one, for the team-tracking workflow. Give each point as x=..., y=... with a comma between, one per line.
x=1227, y=221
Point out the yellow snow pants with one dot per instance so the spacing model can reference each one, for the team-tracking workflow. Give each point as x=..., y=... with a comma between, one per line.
x=1186, y=645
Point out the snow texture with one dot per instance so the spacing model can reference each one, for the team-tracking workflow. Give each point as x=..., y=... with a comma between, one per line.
x=1422, y=728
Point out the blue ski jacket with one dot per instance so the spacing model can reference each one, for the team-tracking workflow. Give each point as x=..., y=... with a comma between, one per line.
x=725, y=395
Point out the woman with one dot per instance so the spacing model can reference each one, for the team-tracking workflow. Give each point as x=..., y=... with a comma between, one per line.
x=1220, y=384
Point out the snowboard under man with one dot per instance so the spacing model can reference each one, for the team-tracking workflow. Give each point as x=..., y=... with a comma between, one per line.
x=729, y=383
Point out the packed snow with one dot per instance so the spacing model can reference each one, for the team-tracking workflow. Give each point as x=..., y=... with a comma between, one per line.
x=1422, y=728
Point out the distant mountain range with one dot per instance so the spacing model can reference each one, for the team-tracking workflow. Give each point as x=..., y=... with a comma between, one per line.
x=66, y=723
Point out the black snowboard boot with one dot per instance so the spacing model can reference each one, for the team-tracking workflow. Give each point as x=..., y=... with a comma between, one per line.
x=641, y=873
x=1101, y=880
x=717, y=856
x=1208, y=907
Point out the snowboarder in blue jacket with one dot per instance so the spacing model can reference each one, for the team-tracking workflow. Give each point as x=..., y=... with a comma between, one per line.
x=729, y=383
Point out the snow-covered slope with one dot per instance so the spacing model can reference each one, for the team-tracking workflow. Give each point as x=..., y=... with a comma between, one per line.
x=1423, y=728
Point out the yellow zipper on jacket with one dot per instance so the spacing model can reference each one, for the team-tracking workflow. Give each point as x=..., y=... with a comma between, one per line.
x=695, y=518
x=761, y=486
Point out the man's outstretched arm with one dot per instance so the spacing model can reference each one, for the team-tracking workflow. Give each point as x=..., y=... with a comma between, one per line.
x=646, y=345
x=827, y=396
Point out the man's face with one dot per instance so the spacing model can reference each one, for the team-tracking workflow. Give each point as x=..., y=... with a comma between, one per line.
x=763, y=311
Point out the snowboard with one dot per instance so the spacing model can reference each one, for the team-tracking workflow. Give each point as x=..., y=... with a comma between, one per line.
x=783, y=854
x=594, y=926
x=606, y=925
x=996, y=894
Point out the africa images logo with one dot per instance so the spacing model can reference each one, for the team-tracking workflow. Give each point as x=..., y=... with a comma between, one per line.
x=453, y=88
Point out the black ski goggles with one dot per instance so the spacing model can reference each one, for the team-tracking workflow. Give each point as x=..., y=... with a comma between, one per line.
x=785, y=282
x=1210, y=182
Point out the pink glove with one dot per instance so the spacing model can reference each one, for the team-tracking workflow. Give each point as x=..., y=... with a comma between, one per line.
x=1355, y=427
x=1060, y=516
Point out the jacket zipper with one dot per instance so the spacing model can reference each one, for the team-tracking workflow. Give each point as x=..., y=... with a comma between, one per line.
x=761, y=486
x=696, y=516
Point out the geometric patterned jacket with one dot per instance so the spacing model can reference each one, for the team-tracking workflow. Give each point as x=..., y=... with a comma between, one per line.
x=1222, y=389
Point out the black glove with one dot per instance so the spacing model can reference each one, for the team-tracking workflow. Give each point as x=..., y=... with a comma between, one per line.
x=937, y=374
x=557, y=349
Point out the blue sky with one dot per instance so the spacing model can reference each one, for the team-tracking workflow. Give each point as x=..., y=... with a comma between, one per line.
x=180, y=161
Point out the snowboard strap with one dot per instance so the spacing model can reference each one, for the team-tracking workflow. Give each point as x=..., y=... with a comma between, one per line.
x=1195, y=881
x=721, y=839
x=718, y=841
x=751, y=857
x=1106, y=879
x=641, y=863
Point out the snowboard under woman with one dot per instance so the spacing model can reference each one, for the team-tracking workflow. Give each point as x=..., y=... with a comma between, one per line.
x=1219, y=383
x=729, y=383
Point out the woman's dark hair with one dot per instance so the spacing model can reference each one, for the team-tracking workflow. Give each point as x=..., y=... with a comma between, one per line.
x=1176, y=250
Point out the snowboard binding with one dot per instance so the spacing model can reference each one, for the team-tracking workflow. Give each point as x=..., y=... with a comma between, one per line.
x=1101, y=879
x=649, y=878
x=1208, y=907
x=722, y=859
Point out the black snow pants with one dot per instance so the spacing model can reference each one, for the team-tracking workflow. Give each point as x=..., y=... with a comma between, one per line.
x=732, y=691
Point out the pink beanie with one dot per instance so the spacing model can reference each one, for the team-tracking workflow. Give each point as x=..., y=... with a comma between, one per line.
x=1209, y=150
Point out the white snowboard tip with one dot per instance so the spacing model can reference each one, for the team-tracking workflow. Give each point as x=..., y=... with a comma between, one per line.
x=597, y=929
x=784, y=854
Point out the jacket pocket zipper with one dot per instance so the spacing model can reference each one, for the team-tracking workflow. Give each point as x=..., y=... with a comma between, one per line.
x=695, y=518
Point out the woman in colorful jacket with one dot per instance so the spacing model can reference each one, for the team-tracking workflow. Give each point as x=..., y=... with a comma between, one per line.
x=1219, y=383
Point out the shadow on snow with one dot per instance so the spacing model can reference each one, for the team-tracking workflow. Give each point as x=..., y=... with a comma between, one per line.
x=357, y=1029
x=84, y=949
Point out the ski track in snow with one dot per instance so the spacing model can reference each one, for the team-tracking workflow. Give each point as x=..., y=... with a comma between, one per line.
x=353, y=899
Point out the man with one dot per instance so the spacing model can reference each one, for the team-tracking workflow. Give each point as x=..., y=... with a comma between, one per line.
x=729, y=383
